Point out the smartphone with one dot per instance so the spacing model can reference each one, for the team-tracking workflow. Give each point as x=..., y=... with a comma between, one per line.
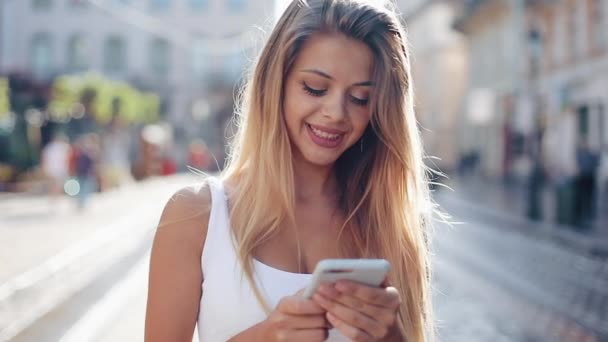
x=371, y=272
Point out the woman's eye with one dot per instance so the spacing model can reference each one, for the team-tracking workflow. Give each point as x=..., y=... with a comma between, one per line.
x=358, y=101
x=313, y=91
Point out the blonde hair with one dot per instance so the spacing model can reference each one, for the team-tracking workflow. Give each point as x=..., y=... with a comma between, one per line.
x=384, y=192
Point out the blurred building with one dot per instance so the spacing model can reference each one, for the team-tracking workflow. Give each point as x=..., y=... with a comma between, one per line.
x=542, y=64
x=572, y=78
x=493, y=31
x=537, y=86
x=191, y=51
x=439, y=67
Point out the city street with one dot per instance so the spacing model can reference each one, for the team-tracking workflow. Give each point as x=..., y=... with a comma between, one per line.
x=107, y=108
x=491, y=283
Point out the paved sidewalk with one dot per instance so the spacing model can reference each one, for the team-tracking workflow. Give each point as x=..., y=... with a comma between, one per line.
x=35, y=228
x=507, y=203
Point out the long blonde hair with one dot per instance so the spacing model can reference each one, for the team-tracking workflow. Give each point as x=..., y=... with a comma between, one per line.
x=384, y=193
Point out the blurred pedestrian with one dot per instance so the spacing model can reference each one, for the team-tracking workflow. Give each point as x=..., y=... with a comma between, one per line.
x=198, y=155
x=86, y=158
x=469, y=163
x=115, y=164
x=83, y=116
x=587, y=162
x=55, y=163
x=327, y=163
x=152, y=145
x=168, y=165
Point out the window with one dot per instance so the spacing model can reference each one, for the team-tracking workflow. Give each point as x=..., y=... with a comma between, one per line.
x=571, y=29
x=114, y=55
x=559, y=42
x=42, y=4
x=41, y=55
x=603, y=125
x=598, y=24
x=535, y=49
x=236, y=5
x=580, y=43
x=199, y=4
x=159, y=4
x=77, y=53
x=583, y=121
x=159, y=57
x=549, y=56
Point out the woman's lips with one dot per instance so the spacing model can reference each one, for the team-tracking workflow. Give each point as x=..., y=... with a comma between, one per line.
x=325, y=137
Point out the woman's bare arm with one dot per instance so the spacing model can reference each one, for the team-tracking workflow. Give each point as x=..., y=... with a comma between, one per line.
x=174, y=289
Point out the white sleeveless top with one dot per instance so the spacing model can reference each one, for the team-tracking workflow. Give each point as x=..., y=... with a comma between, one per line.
x=228, y=305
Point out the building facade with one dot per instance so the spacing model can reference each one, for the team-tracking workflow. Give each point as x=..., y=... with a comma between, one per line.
x=538, y=86
x=573, y=81
x=439, y=68
x=573, y=76
x=489, y=116
x=190, y=51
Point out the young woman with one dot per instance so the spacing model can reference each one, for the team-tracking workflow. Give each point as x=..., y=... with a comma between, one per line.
x=327, y=163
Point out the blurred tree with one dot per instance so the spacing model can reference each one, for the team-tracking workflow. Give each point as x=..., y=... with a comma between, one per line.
x=5, y=106
x=27, y=99
x=134, y=106
x=6, y=127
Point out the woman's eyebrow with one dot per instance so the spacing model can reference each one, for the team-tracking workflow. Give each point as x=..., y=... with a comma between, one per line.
x=325, y=75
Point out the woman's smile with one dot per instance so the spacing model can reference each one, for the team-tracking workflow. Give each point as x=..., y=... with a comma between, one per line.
x=325, y=137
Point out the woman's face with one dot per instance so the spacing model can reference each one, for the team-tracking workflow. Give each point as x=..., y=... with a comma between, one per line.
x=327, y=92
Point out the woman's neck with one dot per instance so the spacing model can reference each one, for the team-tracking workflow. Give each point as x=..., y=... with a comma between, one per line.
x=313, y=182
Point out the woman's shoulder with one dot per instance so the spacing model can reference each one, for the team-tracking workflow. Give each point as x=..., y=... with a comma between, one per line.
x=175, y=263
x=185, y=217
x=190, y=202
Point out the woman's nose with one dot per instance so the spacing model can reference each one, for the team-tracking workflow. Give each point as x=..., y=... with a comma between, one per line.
x=335, y=108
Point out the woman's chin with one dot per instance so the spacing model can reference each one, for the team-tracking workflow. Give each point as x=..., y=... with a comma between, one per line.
x=320, y=159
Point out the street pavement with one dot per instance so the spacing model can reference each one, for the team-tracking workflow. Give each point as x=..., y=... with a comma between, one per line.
x=515, y=286
x=494, y=280
x=49, y=251
x=39, y=227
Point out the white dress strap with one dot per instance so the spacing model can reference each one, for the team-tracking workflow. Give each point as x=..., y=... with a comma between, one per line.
x=218, y=243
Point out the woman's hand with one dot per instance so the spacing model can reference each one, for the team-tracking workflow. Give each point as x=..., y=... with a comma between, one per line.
x=359, y=312
x=296, y=319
